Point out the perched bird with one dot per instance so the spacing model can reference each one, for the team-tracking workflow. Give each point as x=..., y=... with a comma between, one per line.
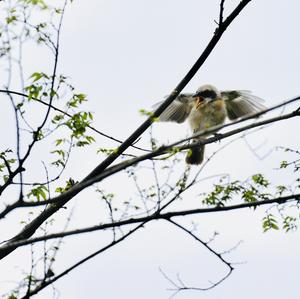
x=209, y=107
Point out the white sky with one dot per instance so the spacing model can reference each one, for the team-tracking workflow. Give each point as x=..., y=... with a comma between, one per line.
x=126, y=55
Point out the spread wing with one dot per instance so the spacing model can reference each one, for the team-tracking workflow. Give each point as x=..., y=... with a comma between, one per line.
x=179, y=110
x=240, y=103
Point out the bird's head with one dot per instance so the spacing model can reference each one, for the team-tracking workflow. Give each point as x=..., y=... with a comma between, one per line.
x=206, y=94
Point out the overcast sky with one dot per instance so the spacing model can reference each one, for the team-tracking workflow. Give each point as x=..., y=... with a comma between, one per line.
x=127, y=55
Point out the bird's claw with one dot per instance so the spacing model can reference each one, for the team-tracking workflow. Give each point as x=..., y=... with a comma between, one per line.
x=218, y=136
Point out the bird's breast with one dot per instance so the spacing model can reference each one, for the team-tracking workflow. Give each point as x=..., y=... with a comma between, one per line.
x=207, y=116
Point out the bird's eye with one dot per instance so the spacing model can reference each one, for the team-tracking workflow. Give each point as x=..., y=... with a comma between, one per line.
x=208, y=94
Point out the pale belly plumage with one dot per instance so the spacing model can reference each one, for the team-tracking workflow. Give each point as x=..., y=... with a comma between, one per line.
x=207, y=116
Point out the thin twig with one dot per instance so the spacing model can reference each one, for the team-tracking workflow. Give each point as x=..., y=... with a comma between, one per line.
x=205, y=244
x=69, y=115
x=222, y=2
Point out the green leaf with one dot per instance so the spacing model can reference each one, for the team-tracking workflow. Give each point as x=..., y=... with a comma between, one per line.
x=58, y=141
x=269, y=222
x=149, y=114
x=260, y=180
x=289, y=223
x=11, y=19
x=283, y=164
x=38, y=193
x=36, y=76
x=60, y=152
x=39, y=3
x=250, y=195
x=57, y=118
x=281, y=189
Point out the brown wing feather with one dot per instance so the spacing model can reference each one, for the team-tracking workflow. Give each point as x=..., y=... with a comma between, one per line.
x=240, y=103
x=179, y=110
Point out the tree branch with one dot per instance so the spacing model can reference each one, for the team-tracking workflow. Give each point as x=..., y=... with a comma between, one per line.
x=30, y=229
x=69, y=115
x=154, y=216
x=222, y=2
x=182, y=286
x=143, y=127
x=65, y=197
x=218, y=255
x=166, y=149
x=45, y=283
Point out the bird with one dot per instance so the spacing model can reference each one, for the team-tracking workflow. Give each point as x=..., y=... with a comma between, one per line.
x=206, y=108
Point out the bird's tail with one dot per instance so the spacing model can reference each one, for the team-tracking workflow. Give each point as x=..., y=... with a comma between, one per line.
x=195, y=155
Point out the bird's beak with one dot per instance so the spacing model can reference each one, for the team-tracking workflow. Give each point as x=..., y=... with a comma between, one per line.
x=199, y=101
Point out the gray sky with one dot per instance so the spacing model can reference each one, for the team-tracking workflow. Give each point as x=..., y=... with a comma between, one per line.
x=127, y=55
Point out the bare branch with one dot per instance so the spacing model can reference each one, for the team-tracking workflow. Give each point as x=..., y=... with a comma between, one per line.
x=221, y=12
x=155, y=216
x=55, y=278
x=205, y=244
